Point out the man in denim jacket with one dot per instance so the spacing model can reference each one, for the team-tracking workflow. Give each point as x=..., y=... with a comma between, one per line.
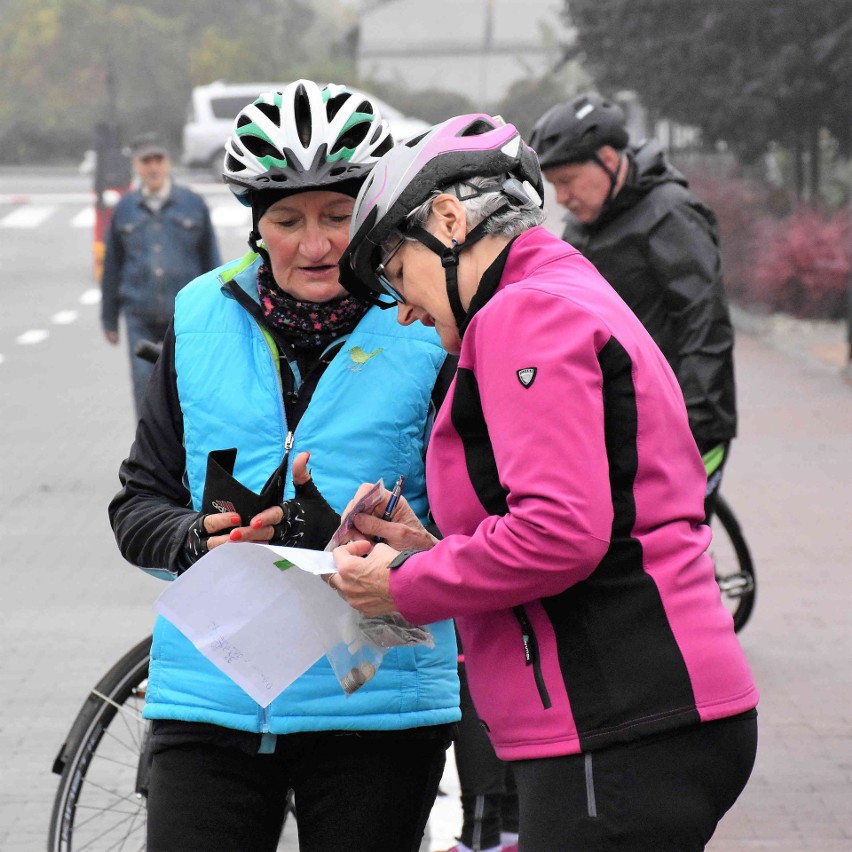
x=159, y=239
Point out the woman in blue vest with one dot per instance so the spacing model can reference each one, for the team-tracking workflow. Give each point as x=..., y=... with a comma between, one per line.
x=270, y=355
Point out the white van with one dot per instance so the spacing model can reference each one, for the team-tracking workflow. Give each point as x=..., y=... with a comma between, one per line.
x=214, y=107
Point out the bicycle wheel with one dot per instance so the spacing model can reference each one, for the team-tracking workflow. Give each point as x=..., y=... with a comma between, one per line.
x=733, y=564
x=100, y=803
x=104, y=765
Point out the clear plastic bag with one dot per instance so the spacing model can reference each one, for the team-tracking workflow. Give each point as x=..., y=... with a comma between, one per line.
x=356, y=660
x=393, y=631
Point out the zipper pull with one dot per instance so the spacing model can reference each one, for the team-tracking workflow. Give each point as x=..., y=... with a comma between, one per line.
x=289, y=440
x=527, y=648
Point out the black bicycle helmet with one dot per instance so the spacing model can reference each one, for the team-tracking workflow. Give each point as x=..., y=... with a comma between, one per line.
x=573, y=132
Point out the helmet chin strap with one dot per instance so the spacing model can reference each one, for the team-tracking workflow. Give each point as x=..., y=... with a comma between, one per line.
x=613, y=178
x=450, y=259
x=255, y=239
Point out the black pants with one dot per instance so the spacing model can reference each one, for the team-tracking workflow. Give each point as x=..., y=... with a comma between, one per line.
x=211, y=790
x=664, y=793
x=488, y=796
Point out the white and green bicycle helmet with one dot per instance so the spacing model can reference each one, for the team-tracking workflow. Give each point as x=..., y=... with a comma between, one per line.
x=306, y=137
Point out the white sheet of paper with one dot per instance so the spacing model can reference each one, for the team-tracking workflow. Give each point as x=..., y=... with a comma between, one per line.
x=261, y=625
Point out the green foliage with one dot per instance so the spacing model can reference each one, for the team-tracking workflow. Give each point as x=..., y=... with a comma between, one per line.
x=744, y=71
x=66, y=65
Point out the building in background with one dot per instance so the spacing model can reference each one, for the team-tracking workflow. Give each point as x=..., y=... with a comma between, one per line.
x=477, y=47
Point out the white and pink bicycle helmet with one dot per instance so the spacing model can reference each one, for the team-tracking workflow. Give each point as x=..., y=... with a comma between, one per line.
x=449, y=153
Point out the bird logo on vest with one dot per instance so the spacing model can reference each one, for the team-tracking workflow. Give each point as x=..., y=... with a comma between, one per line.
x=359, y=357
x=527, y=376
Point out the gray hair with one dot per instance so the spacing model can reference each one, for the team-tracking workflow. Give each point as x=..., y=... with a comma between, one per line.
x=509, y=222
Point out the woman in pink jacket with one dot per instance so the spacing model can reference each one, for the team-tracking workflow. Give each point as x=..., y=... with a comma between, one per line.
x=569, y=493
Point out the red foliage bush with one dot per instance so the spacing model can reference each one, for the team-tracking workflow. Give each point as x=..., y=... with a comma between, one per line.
x=777, y=256
x=803, y=262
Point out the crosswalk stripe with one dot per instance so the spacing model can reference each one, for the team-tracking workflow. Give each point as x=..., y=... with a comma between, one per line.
x=28, y=216
x=34, y=335
x=84, y=219
x=226, y=215
x=231, y=216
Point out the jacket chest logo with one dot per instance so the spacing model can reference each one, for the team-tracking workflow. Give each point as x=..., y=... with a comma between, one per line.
x=359, y=357
x=527, y=376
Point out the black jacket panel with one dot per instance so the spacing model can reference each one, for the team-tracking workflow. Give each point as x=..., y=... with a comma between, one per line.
x=658, y=246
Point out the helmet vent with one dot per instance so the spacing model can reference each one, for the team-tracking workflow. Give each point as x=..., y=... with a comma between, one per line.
x=233, y=165
x=334, y=104
x=270, y=111
x=365, y=107
x=477, y=128
x=352, y=138
x=384, y=147
x=302, y=110
x=260, y=147
x=415, y=140
x=243, y=120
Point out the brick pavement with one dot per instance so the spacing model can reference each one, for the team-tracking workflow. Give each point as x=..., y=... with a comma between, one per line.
x=790, y=480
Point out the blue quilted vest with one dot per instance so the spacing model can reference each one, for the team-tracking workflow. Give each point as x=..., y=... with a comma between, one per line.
x=367, y=419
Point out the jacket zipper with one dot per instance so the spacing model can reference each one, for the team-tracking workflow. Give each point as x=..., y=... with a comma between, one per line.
x=531, y=654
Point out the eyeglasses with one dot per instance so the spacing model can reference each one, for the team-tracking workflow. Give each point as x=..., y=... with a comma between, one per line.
x=381, y=273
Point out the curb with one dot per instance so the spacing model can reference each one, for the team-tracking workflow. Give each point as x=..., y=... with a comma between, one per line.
x=822, y=342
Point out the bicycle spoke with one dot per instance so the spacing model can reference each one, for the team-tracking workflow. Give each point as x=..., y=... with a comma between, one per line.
x=133, y=714
x=117, y=844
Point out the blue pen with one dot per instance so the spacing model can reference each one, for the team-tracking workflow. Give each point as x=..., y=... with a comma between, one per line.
x=396, y=493
x=394, y=498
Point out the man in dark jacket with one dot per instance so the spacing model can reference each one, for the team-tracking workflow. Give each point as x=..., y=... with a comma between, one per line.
x=632, y=215
x=160, y=238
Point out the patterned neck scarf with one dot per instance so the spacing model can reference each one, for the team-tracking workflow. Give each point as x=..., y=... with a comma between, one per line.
x=307, y=325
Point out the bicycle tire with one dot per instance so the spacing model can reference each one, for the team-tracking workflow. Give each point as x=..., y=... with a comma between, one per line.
x=104, y=771
x=733, y=564
x=99, y=765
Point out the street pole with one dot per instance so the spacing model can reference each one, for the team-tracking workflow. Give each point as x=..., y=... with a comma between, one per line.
x=848, y=370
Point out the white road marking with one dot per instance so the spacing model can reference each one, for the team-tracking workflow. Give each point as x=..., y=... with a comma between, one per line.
x=64, y=317
x=230, y=216
x=29, y=216
x=34, y=335
x=90, y=297
x=84, y=219
x=46, y=197
x=2, y=359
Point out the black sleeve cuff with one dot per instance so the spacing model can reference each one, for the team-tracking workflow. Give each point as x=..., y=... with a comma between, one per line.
x=401, y=557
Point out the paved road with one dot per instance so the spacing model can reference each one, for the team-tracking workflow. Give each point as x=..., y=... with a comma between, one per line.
x=71, y=606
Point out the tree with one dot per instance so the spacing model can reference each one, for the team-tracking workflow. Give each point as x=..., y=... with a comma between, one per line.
x=747, y=72
x=67, y=64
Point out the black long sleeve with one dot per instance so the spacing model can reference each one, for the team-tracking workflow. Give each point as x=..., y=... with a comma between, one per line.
x=152, y=513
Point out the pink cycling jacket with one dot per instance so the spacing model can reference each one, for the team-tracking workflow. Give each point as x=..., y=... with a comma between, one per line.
x=569, y=490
